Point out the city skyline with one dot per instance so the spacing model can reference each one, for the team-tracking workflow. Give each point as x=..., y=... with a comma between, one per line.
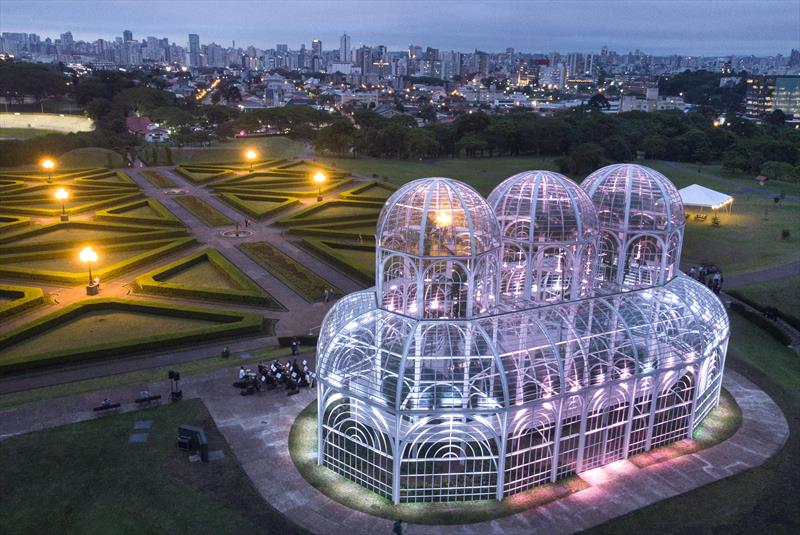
x=658, y=28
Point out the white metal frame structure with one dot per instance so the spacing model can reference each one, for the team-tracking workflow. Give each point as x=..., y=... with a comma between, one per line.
x=482, y=396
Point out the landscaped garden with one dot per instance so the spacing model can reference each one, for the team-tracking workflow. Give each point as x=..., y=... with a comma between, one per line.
x=288, y=270
x=206, y=274
x=108, y=327
x=204, y=211
x=88, y=478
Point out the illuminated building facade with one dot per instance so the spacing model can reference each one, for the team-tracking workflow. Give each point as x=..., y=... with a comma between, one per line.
x=497, y=352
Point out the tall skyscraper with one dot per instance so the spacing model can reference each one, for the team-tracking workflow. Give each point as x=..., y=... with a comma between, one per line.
x=344, y=49
x=316, y=47
x=194, y=50
x=127, y=35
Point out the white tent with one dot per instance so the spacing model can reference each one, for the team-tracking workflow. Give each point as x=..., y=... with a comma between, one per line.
x=703, y=197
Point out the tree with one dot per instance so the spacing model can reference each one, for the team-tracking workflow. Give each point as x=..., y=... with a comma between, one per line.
x=654, y=146
x=472, y=144
x=582, y=159
x=598, y=101
x=777, y=117
x=780, y=171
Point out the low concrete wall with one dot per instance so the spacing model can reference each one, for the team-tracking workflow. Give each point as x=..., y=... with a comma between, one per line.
x=47, y=121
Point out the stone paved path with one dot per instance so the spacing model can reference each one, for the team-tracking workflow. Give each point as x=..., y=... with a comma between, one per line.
x=792, y=269
x=257, y=428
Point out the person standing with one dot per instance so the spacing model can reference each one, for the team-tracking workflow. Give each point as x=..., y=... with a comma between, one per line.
x=398, y=527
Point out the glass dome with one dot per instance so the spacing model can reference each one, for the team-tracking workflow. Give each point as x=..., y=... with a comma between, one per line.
x=437, y=217
x=641, y=220
x=634, y=197
x=438, y=251
x=549, y=230
x=432, y=410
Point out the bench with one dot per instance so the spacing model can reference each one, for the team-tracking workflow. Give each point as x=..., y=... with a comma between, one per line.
x=700, y=217
x=107, y=407
x=148, y=399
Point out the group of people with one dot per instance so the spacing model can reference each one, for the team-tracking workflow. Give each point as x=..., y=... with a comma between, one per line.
x=270, y=376
x=710, y=276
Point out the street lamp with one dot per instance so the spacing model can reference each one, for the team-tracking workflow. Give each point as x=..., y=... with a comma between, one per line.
x=48, y=164
x=62, y=195
x=319, y=178
x=88, y=256
x=250, y=155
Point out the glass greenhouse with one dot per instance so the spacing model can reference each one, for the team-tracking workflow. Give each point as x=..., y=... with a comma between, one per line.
x=491, y=357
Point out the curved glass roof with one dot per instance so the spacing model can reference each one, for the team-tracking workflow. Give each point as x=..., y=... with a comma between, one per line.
x=629, y=196
x=433, y=217
x=543, y=208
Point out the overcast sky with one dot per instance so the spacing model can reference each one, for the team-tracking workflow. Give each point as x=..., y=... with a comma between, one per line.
x=710, y=27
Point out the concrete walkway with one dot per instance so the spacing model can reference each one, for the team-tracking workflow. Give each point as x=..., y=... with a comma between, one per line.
x=792, y=269
x=260, y=440
x=257, y=429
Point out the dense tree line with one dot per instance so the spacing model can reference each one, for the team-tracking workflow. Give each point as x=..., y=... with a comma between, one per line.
x=581, y=139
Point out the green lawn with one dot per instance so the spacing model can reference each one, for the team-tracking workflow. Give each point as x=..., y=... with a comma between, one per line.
x=288, y=270
x=783, y=294
x=90, y=157
x=24, y=133
x=204, y=211
x=233, y=150
x=748, y=239
x=86, y=478
x=102, y=326
x=482, y=173
x=203, y=274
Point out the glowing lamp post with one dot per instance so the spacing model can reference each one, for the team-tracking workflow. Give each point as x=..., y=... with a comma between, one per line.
x=48, y=165
x=319, y=179
x=250, y=155
x=88, y=257
x=62, y=195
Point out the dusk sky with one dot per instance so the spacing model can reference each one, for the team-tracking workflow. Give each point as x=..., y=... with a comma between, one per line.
x=760, y=27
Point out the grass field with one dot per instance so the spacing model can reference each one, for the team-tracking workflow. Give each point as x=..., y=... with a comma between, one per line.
x=783, y=294
x=90, y=157
x=748, y=239
x=141, y=488
x=202, y=274
x=233, y=150
x=288, y=270
x=482, y=173
x=204, y=211
x=24, y=133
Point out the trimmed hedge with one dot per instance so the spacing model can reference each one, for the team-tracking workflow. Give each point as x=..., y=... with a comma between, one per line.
x=197, y=176
x=792, y=320
x=238, y=201
x=129, y=233
x=204, y=211
x=288, y=270
x=19, y=208
x=771, y=328
x=161, y=248
x=307, y=217
x=248, y=292
x=336, y=252
x=11, y=222
x=230, y=323
x=361, y=192
x=22, y=298
x=117, y=214
x=335, y=230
